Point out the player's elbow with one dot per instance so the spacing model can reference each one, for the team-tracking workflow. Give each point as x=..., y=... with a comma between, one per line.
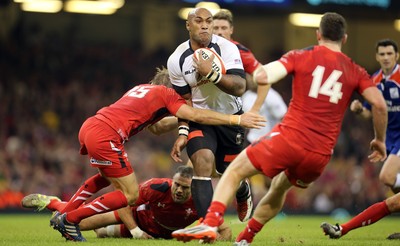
x=159, y=129
x=155, y=130
x=239, y=88
x=238, y=85
x=380, y=106
x=240, y=91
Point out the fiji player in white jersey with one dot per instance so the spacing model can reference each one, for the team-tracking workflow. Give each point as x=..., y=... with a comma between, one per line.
x=209, y=148
x=273, y=109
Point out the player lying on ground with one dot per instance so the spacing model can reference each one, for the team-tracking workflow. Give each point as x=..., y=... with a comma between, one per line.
x=164, y=205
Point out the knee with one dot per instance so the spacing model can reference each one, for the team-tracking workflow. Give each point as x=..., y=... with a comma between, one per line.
x=387, y=178
x=203, y=166
x=393, y=203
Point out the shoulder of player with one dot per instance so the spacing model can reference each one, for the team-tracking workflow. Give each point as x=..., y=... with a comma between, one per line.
x=396, y=74
x=158, y=184
x=240, y=46
x=180, y=50
x=377, y=76
x=223, y=43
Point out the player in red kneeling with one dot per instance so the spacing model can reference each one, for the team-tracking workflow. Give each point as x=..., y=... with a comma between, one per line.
x=164, y=205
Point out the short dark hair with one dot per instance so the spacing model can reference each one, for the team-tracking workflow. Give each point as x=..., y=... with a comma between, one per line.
x=333, y=26
x=161, y=78
x=185, y=171
x=386, y=42
x=224, y=15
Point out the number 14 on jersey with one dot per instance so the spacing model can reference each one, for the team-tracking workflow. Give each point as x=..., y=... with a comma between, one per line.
x=331, y=87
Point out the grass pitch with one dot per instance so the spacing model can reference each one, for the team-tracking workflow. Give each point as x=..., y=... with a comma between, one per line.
x=34, y=230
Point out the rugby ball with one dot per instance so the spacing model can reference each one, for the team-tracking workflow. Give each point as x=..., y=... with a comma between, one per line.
x=218, y=64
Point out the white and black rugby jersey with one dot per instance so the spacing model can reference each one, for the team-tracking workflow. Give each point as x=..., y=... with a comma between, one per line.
x=205, y=94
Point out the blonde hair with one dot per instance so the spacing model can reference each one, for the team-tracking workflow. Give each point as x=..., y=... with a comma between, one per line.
x=161, y=77
x=224, y=15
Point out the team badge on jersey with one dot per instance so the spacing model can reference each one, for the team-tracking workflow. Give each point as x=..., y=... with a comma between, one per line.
x=394, y=93
x=189, y=212
x=239, y=139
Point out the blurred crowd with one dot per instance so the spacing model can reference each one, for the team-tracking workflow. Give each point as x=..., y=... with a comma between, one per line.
x=50, y=84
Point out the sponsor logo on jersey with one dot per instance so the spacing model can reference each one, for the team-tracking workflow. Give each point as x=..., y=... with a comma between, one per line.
x=202, y=81
x=190, y=71
x=100, y=162
x=389, y=103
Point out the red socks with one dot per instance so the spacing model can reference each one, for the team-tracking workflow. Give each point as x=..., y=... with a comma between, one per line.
x=369, y=216
x=91, y=186
x=107, y=202
x=56, y=205
x=215, y=214
x=252, y=228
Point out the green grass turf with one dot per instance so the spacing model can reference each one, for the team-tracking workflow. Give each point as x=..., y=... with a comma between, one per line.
x=34, y=229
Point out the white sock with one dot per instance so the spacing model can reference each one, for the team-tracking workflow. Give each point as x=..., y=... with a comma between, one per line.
x=110, y=230
x=397, y=182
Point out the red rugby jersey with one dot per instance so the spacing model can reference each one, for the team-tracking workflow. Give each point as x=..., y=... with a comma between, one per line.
x=250, y=63
x=158, y=213
x=322, y=87
x=139, y=107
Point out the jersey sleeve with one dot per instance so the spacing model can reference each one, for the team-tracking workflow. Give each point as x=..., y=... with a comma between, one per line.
x=231, y=56
x=288, y=60
x=174, y=71
x=364, y=80
x=250, y=63
x=173, y=100
x=376, y=78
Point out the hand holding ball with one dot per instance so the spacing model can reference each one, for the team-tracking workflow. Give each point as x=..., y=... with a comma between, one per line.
x=217, y=66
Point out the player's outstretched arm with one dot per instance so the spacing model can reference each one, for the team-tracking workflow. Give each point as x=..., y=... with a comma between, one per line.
x=208, y=117
x=127, y=217
x=379, y=119
x=264, y=76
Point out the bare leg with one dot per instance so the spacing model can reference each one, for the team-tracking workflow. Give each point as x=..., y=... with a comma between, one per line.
x=98, y=221
x=270, y=205
x=267, y=208
x=390, y=173
x=125, y=193
x=129, y=186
